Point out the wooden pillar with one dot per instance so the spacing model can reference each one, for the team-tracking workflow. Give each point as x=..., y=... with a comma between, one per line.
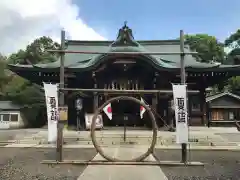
x=154, y=106
x=171, y=117
x=189, y=104
x=155, y=98
x=95, y=102
x=95, y=96
x=95, y=99
x=203, y=106
x=154, y=101
x=208, y=116
x=66, y=99
x=62, y=69
x=61, y=99
x=66, y=93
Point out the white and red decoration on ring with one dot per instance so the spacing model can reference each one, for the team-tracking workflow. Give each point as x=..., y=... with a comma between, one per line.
x=108, y=111
x=142, y=109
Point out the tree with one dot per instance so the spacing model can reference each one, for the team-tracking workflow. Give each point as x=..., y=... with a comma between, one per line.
x=5, y=75
x=235, y=37
x=232, y=44
x=233, y=57
x=36, y=52
x=2, y=74
x=234, y=83
x=28, y=95
x=23, y=92
x=208, y=47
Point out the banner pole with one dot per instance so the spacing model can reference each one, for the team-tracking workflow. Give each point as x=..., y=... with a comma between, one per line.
x=183, y=81
x=60, y=125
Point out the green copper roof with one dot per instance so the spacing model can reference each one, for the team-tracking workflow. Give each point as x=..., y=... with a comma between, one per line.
x=124, y=43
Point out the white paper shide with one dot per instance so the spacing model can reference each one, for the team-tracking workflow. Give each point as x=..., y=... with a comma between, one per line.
x=51, y=95
x=181, y=113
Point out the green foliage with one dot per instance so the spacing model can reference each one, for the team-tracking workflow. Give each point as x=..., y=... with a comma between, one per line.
x=31, y=97
x=21, y=91
x=233, y=37
x=36, y=52
x=233, y=43
x=211, y=49
x=208, y=47
x=3, y=76
x=234, y=82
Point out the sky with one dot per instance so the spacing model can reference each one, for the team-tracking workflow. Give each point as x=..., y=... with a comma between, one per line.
x=22, y=21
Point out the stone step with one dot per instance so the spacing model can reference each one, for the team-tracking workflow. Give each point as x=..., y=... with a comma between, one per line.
x=148, y=143
x=127, y=143
x=143, y=140
x=117, y=138
x=224, y=144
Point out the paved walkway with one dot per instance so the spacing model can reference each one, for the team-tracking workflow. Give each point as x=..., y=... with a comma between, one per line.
x=123, y=172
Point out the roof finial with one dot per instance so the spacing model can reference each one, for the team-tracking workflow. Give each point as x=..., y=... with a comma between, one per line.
x=125, y=23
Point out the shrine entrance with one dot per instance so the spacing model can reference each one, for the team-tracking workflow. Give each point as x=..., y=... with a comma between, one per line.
x=125, y=113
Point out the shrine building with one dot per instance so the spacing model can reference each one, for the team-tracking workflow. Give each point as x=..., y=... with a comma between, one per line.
x=131, y=72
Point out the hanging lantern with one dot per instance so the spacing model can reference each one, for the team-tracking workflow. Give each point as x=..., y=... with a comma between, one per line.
x=78, y=104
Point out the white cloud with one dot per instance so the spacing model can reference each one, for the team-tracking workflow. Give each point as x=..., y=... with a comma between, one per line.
x=22, y=21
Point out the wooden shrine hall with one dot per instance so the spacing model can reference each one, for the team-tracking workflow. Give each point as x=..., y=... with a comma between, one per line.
x=128, y=71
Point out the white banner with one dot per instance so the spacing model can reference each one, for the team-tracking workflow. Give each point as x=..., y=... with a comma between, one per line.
x=51, y=95
x=181, y=113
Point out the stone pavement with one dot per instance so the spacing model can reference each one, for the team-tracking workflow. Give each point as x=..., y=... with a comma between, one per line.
x=200, y=137
x=14, y=136
x=120, y=172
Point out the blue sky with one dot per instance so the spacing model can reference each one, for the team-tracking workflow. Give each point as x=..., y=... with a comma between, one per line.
x=161, y=19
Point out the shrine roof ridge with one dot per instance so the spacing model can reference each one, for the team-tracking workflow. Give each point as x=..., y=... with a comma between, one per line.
x=125, y=42
x=109, y=42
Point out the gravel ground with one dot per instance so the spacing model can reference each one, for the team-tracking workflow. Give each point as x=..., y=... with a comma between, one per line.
x=220, y=165
x=25, y=164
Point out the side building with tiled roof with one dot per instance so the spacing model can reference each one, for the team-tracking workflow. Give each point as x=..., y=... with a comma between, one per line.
x=223, y=108
x=11, y=116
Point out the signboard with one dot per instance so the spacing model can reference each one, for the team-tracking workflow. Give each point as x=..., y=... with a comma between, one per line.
x=181, y=114
x=63, y=113
x=51, y=96
x=88, y=121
